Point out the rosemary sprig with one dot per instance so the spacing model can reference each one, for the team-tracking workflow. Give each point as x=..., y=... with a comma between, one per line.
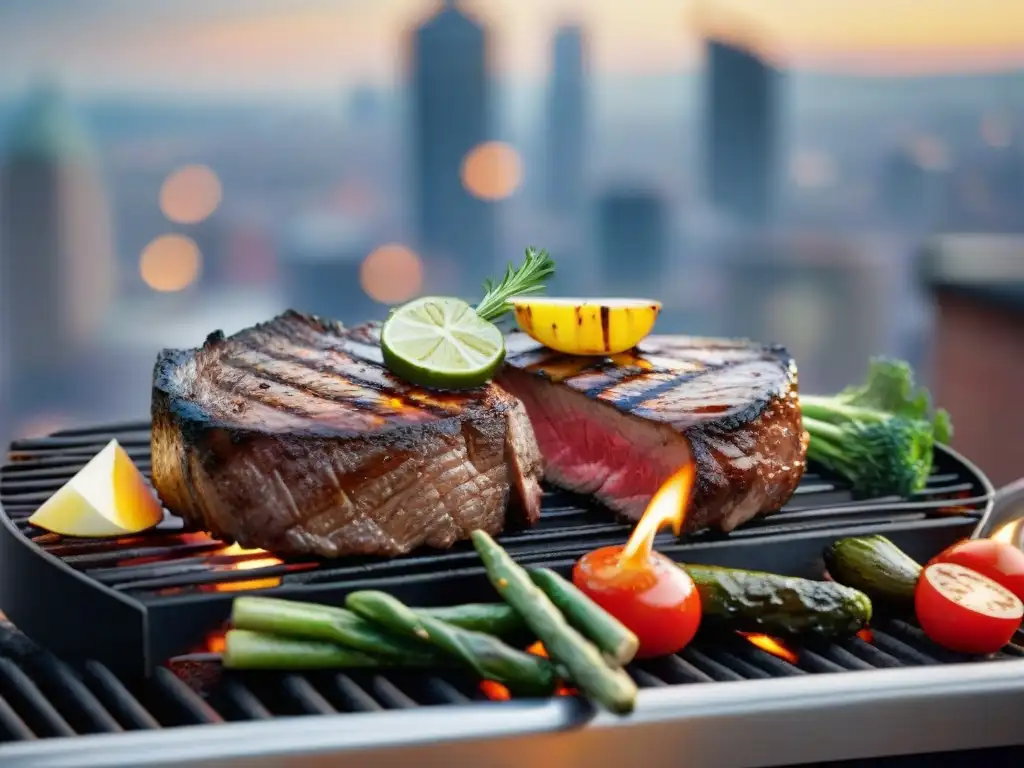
x=528, y=279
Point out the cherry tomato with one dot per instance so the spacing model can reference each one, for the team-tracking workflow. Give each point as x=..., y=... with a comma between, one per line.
x=657, y=600
x=1001, y=562
x=964, y=611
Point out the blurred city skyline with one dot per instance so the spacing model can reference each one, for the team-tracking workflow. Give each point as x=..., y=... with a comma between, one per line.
x=168, y=169
x=299, y=48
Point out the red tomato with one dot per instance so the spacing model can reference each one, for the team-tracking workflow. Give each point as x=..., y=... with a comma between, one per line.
x=657, y=601
x=964, y=611
x=1001, y=562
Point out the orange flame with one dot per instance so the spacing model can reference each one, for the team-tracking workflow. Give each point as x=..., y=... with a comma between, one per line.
x=668, y=505
x=247, y=565
x=866, y=636
x=498, y=692
x=216, y=642
x=772, y=645
x=538, y=649
x=1006, y=534
x=494, y=691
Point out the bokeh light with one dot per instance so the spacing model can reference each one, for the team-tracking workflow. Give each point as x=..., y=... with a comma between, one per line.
x=492, y=171
x=391, y=274
x=42, y=425
x=930, y=153
x=170, y=263
x=190, y=194
x=996, y=131
x=812, y=169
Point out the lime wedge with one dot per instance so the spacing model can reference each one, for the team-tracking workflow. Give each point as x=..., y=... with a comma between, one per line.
x=441, y=343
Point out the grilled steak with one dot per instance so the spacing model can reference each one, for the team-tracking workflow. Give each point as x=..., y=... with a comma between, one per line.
x=619, y=427
x=291, y=436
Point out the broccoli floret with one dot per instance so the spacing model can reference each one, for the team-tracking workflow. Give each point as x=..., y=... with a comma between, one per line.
x=879, y=436
x=890, y=388
x=885, y=458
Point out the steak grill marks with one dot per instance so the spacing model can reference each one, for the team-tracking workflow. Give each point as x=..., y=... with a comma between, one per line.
x=640, y=380
x=292, y=436
x=310, y=364
x=618, y=428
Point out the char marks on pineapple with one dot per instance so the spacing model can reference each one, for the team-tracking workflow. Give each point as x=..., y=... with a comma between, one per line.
x=618, y=427
x=293, y=437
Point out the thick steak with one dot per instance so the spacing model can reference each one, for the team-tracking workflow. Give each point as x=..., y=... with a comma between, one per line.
x=619, y=427
x=291, y=436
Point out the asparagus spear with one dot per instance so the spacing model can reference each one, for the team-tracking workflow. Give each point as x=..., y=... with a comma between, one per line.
x=522, y=673
x=496, y=619
x=605, y=631
x=612, y=688
x=256, y=650
x=309, y=621
x=324, y=622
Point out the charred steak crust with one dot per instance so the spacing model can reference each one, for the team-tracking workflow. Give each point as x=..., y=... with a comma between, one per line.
x=291, y=436
x=631, y=420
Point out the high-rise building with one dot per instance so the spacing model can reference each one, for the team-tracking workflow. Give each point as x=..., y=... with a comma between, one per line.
x=904, y=186
x=451, y=113
x=565, y=138
x=632, y=241
x=319, y=260
x=740, y=139
x=56, y=253
x=827, y=298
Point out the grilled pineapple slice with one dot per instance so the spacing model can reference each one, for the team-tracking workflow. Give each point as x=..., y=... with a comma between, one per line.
x=586, y=326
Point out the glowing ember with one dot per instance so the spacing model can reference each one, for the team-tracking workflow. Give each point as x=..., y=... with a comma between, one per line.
x=254, y=559
x=771, y=645
x=236, y=550
x=866, y=636
x=668, y=505
x=494, y=691
x=215, y=642
x=498, y=692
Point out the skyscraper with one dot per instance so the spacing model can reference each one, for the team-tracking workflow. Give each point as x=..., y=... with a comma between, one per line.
x=632, y=240
x=565, y=138
x=56, y=253
x=320, y=258
x=904, y=186
x=740, y=139
x=451, y=113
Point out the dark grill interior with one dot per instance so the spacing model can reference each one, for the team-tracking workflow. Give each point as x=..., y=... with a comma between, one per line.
x=160, y=593
x=117, y=609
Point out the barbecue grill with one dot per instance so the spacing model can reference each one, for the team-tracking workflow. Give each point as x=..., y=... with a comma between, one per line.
x=119, y=642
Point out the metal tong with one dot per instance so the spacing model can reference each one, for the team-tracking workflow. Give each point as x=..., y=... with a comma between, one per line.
x=1007, y=510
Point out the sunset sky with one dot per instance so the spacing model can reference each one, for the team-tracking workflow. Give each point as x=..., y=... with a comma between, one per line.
x=296, y=45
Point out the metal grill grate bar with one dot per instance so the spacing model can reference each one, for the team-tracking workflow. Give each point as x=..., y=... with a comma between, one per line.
x=34, y=703
x=164, y=562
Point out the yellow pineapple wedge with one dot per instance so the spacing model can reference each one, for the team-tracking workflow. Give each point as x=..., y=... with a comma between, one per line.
x=597, y=327
x=108, y=497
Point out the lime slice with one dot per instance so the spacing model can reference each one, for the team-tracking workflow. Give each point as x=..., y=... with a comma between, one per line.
x=441, y=343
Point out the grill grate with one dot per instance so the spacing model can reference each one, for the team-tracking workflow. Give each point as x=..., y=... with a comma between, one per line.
x=42, y=697
x=159, y=593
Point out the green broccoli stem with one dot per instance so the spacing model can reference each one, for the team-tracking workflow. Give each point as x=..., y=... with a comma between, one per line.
x=823, y=430
x=827, y=445
x=833, y=411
